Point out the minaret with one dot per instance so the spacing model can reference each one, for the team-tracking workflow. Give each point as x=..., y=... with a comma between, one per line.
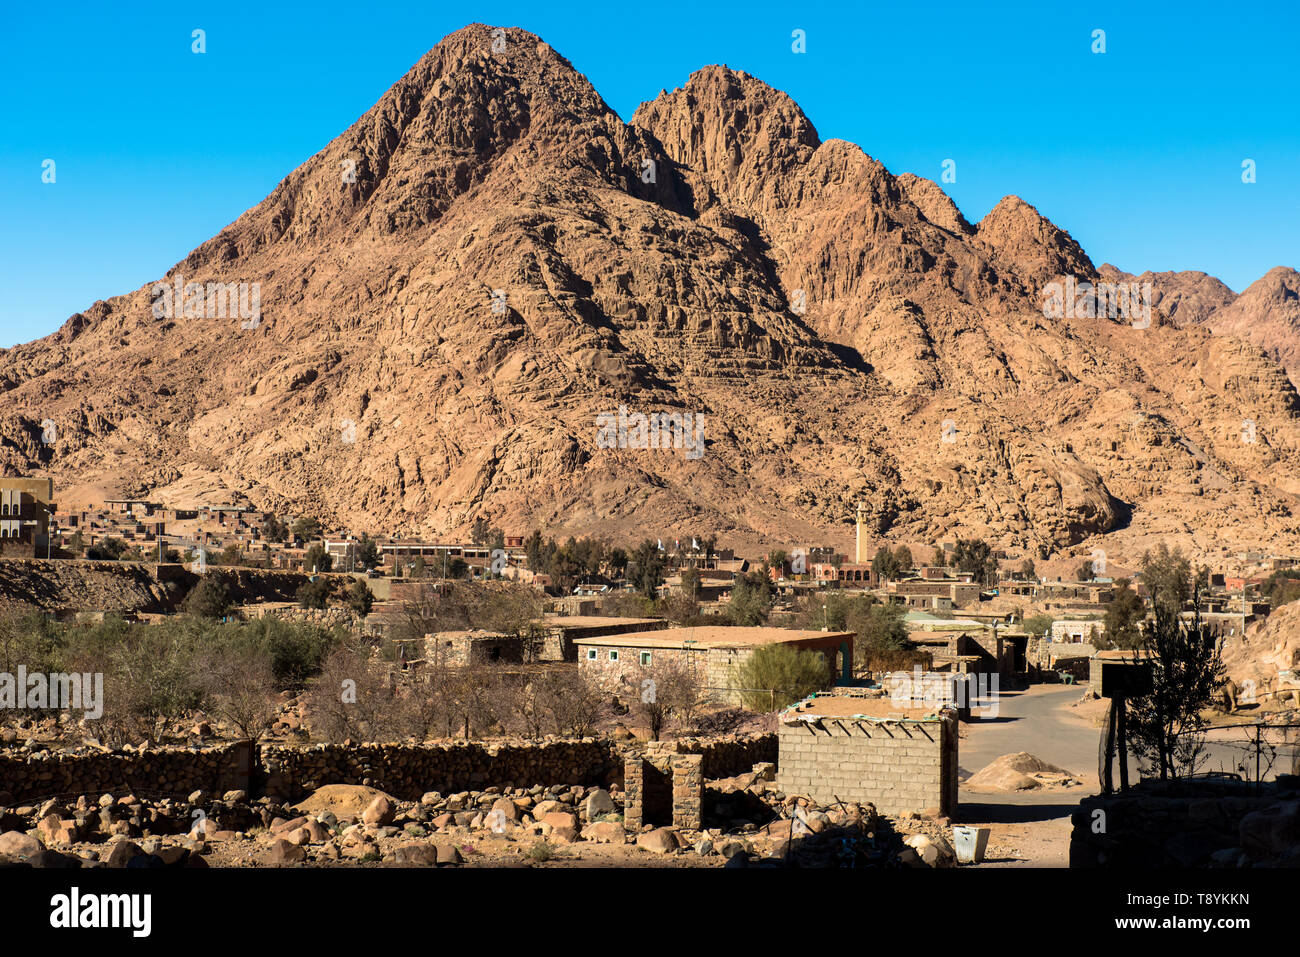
x=857, y=558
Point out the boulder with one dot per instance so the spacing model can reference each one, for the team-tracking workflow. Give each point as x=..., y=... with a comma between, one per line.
x=448, y=853
x=285, y=852
x=380, y=811
x=416, y=855
x=605, y=832
x=17, y=845
x=342, y=800
x=662, y=840
x=560, y=819
x=1270, y=832
x=598, y=802
x=121, y=853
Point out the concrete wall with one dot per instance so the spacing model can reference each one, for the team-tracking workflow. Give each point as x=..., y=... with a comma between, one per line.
x=897, y=765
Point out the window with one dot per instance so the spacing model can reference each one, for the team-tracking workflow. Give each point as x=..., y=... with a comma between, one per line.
x=613, y=656
x=645, y=657
x=591, y=654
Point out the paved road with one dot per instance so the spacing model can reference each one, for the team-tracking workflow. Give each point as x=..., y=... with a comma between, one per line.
x=1029, y=828
x=1038, y=721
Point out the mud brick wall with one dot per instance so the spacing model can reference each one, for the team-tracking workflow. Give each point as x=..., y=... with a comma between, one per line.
x=174, y=771
x=897, y=765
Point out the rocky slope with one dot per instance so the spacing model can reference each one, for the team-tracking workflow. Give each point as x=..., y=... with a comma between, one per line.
x=846, y=333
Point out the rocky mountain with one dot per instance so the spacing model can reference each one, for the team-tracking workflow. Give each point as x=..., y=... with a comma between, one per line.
x=1266, y=314
x=458, y=286
x=1187, y=298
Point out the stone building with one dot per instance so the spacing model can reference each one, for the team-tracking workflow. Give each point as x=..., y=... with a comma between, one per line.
x=869, y=750
x=717, y=652
x=462, y=648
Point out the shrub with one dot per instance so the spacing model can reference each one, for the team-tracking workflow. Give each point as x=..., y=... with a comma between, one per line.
x=208, y=599
x=776, y=676
x=313, y=594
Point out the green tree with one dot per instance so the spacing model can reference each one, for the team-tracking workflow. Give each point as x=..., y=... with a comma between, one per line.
x=313, y=594
x=360, y=598
x=533, y=546
x=208, y=599
x=649, y=563
x=776, y=676
x=903, y=556
x=1282, y=587
x=109, y=550
x=883, y=629
x=317, y=559
x=1124, y=616
x=1166, y=728
x=307, y=528
x=1037, y=624
x=483, y=532
x=691, y=582
x=368, y=552
x=276, y=531
x=1170, y=576
x=751, y=599
x=976, y=556
x=884, y=565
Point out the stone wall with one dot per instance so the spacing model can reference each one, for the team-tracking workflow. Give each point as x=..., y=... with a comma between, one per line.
x=408, y=771
x=289, y=772
x=897, y=765
x=663, y=786
x=27, y=776
x=325, y=617
x=731, y=755
x=1199, y=824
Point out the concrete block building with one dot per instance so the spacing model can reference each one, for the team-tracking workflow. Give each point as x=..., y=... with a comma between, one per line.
x=869, y=750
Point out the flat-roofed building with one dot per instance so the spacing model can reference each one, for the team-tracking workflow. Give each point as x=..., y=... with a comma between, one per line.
x=718, y=652
x=26, y=506
x=870, y=749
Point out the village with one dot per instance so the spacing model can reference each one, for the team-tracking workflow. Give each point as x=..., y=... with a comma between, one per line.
x=562, y=703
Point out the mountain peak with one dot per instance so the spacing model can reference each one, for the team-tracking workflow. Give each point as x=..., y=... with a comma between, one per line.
x=1039, y=249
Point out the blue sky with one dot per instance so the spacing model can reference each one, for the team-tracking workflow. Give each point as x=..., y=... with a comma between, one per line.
x=1137, y=152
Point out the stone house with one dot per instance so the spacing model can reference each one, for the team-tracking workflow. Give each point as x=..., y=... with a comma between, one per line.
x=717, y=652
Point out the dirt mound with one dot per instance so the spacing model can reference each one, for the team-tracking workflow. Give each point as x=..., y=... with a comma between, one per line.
x=1021, y=771
x=67, y=586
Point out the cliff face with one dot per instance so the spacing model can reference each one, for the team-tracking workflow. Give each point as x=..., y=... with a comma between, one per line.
x=456, y=287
